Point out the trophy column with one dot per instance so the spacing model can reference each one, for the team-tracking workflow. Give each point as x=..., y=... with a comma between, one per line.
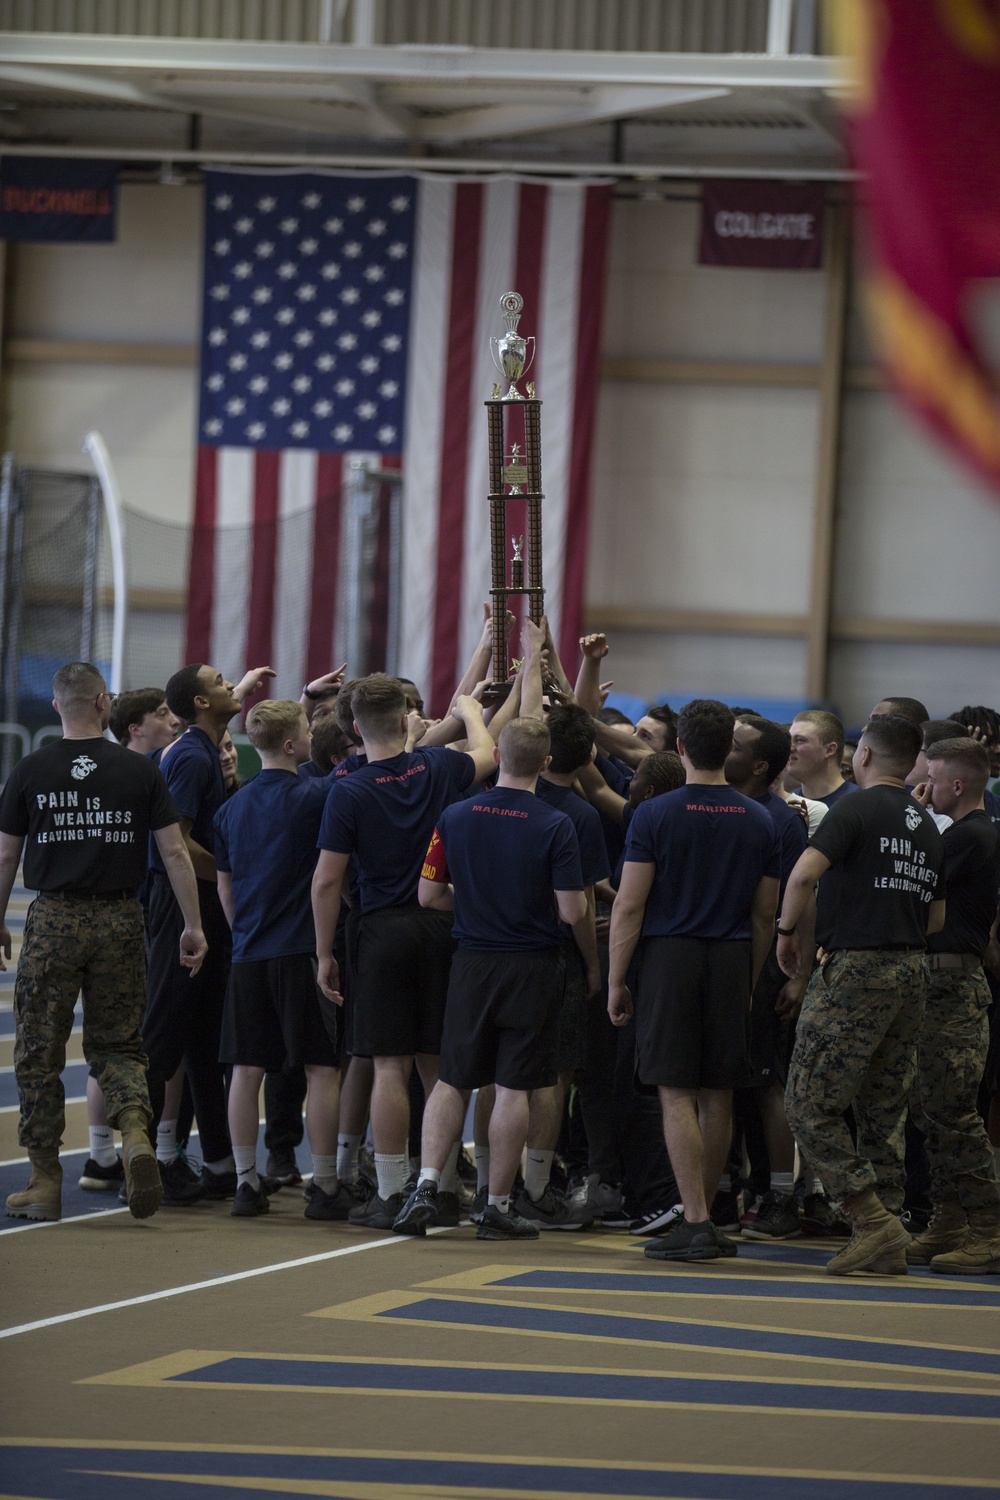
x=513, y=474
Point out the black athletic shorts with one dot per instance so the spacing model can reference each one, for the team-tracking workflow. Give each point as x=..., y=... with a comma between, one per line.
x=771, y=1038
x=399, y=981
x=693, y=1013
x=275, y=1013
x=502, y=1020
x=573, y=1024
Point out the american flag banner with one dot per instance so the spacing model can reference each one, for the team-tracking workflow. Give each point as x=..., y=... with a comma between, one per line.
x=348, y=318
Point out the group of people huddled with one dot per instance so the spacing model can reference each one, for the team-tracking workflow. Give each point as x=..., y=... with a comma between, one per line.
x=704, y=975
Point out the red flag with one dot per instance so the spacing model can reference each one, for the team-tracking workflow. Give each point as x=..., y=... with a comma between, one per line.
x=926, y=133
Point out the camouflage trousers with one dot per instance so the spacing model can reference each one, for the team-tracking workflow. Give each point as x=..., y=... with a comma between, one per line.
x=69, y=946
x=951, y=1056
x=856, y=1044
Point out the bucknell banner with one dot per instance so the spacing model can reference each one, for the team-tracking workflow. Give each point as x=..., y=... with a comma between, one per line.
x=767, y=225
x=46, y=198
x=925, y=130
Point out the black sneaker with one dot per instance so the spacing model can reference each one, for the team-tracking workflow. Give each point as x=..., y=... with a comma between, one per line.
x=686, y=1242
x=219, y=1185
x=181, y=1184
x=450, y=1210
x=250, y=1201
x=725, y=1212
x=509, y=1226
x=656, y=1221
x=777, y=1219
x=420, y=1208
x=821, y=1219
x=616, y=1218
x=98, y=1179
x=337, y=1206
x=282, y=1166
x=553, y=1210
x=376, y=1212
x=479, y=1204
x=466, y=1168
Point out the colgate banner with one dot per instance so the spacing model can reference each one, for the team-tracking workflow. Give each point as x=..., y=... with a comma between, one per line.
x=926, y=132
x=768, y=225
x=46, y=198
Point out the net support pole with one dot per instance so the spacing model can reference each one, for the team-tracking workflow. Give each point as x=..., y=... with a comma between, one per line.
x=95, y=446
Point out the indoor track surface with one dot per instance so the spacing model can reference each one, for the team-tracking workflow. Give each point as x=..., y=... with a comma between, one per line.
x=195, y=1355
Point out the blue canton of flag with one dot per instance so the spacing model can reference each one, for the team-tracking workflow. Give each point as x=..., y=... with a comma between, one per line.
x=307, y=297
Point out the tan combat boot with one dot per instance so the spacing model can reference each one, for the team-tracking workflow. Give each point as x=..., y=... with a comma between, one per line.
x=878, y=1242
x=980, y=1255
x=42, y=1198
x=948, y=1228
x=142, y=1174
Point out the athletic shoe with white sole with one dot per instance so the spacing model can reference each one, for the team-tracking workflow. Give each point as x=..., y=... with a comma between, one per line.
x=98, y=1179
x=657, y=1220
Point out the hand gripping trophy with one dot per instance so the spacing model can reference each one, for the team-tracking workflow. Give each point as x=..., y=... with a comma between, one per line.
x=513, y=473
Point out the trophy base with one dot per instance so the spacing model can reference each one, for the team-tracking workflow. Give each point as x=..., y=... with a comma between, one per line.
x=496, y=693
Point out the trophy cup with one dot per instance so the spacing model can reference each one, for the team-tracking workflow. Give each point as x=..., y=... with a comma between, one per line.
x=515, y=474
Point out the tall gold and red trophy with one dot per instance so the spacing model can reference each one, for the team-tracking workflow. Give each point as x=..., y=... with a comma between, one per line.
x=515, y=457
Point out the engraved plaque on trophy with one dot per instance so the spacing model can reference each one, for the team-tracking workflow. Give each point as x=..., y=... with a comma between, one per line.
x=515, y=469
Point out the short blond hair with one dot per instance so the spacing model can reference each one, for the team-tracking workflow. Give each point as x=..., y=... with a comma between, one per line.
x=524, y=744
x=271, y=723
x=826, y=724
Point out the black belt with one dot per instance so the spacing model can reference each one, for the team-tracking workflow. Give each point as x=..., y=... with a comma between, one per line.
x=968, y=963
x=127, y=895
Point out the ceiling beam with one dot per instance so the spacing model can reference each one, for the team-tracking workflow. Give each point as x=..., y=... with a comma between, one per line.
x=505, y=120
x=179, y=55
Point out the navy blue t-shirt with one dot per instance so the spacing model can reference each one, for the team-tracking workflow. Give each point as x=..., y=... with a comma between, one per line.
x=711, y=846
x=840, y=791
x=505, y=852
x=991, y=802
x=619, y=778
x=586, y=821
x=310, y=771
x=193, y=773
x=385, y=812
x=265, y=836
x=793, y=835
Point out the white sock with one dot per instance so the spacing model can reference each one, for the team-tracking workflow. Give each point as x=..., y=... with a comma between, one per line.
x=246, y=1166
x=224, y=1165
x=325, y=1173
x=348, y=1147
x=482, y=1168
x=500, y=1201
x=429, y=1174
x=391, y=1174
x=783, y=1183
x=102, y=1145
x=537, y=1173
x=449, y=1174
x=725, y=1183
x=166, y=1140
x=815, y=1186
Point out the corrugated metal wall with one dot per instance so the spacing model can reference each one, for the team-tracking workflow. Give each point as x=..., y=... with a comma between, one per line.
x=598, y=25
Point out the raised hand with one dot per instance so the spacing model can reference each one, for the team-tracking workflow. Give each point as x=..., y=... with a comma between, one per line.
x=594, y=646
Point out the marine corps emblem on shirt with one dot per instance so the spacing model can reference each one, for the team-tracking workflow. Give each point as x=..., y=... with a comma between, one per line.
x=82, y=767
x=913, y=818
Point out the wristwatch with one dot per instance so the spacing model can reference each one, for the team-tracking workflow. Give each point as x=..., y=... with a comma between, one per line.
x=785, y=931
x=313, y=697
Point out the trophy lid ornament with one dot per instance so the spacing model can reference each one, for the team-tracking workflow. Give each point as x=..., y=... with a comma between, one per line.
x=511, y=353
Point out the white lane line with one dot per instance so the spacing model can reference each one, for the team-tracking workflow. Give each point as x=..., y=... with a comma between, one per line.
x=96, y=1213
x=197, y=1286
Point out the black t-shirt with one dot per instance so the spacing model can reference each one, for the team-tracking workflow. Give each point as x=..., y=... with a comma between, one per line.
x=972, y=871
x=886, y=862
x=85, y=809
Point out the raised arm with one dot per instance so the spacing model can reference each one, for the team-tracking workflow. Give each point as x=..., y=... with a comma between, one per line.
x=319, y=687
x=588, y=678
x=479, y=742
x=251, y=682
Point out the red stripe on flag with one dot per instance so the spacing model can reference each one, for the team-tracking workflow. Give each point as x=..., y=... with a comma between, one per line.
x=592, y=269
x=201, y=566
x=260, y=628
x=455, y=440
x=325, y=564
